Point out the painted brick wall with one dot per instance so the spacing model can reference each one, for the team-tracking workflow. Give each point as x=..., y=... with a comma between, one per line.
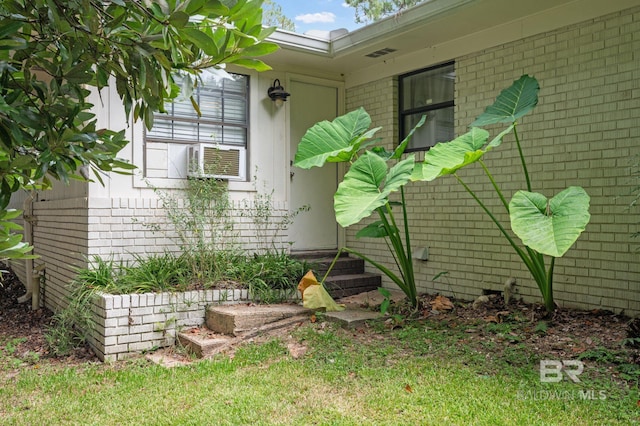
x=584, y=132
x=60, y=239
x=124, y=227
x=70, y=231
x=131, y=323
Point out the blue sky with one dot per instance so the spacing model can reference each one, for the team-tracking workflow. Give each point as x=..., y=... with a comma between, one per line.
x=319, y=14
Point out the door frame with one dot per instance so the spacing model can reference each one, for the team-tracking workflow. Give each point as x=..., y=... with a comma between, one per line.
x=340, y=90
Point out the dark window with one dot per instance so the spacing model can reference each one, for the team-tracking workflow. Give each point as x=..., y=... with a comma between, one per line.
x=427, y=92
x=224, y=104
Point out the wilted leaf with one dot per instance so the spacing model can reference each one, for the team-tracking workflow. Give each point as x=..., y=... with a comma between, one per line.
x=314, y=295
x=441, y=303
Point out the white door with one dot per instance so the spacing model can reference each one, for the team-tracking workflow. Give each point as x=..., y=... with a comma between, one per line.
x=317, y=228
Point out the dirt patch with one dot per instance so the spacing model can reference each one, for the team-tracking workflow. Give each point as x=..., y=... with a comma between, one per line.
x=492, y=328
x=22, y=330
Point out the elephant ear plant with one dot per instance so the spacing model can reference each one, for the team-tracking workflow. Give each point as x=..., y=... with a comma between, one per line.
x=374, y=174
x=545, y=226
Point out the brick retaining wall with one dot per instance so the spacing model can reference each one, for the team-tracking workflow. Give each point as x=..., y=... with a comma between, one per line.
x=131, y=323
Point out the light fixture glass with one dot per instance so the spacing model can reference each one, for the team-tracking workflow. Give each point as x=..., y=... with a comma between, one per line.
x=277, y=93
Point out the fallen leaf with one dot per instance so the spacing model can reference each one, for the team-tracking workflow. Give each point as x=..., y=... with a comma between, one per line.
x=296, y=350
x=441, y=303
x=313, y=318
x=492, y=318
x=408, y=389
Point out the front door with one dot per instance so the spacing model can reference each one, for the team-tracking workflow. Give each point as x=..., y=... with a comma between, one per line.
x=317, y=228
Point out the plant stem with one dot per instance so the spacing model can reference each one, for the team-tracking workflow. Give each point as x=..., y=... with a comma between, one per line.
x=548, y=300
x=392, y=234
x=495, y=185
x=335, y=259
x=393, y=277
x=524, y=164
x=518, y=250
x=407, y=239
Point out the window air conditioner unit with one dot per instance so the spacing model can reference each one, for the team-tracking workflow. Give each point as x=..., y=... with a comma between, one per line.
x=217, y=161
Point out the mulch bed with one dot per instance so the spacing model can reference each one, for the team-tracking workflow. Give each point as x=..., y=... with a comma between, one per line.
x=568, y=334
x=24, y=328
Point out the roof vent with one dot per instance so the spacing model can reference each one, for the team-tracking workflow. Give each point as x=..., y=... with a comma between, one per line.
x=380, y=52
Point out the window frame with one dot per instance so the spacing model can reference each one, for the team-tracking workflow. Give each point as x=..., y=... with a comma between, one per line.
x=197, y=120
x=402, y=113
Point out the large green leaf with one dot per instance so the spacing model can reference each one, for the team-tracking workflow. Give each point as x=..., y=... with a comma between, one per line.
x=446, y=158
x=512, y=103
x=373, y=230
x=334, y=141
x=550, y=226
x=367, y=185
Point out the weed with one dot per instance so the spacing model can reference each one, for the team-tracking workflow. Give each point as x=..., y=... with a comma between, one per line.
x=267, y=224
x=629, y=371
x=602, y=355
x=71, y=326
x=541, y=327
x=273, y=277
x=384, y=306
x=11, y=346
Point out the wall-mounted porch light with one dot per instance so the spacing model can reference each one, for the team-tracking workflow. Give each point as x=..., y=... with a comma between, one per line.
x=277, y=93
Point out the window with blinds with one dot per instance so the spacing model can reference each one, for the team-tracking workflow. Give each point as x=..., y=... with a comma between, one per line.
x=225, y=119
x=427, y=92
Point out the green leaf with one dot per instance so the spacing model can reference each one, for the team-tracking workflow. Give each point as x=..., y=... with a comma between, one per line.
x=260, y=49
x=550, y=226
x=335, y=141
x=179, y=19
x=252, y=64
x=373, y=230
x=80, y=74
x=9, y=27
x=367, y=185
x=201, y=40
x=12, y=44
x=446, y=158
x=403, y=145
x=512, y=103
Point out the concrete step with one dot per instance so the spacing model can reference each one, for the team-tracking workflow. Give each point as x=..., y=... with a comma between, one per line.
x=343, y=266
x=316, y=254
x=237, y=319
x=202, y=342
x=340, y=286
x=352, y=318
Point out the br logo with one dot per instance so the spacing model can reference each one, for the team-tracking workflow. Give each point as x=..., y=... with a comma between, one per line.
x=552, y=371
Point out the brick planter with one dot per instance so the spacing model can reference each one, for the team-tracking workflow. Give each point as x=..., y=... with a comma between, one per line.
x=131, y=323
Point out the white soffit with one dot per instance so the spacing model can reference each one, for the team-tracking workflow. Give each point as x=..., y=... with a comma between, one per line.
x=429, y=24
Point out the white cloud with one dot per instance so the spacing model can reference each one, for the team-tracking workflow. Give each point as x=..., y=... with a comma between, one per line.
x=345, y=5
x=310, y=18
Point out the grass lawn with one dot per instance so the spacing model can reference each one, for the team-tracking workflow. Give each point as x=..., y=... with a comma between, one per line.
x=417, y=374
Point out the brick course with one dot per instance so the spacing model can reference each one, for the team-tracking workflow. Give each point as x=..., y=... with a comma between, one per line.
x=583, y=132
x=131, y=323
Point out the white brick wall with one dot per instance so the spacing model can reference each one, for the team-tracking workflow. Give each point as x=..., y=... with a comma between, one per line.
x=70, y=231
x=583, y=132
x=121, y=227
x=60, y=239
x=131, y=323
